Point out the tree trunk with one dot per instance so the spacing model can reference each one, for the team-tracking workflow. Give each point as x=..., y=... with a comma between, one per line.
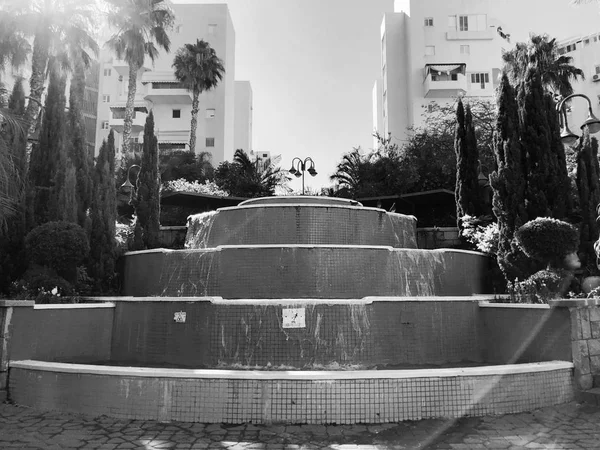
x=129, y=108
x=39, y=63
x=194, y=123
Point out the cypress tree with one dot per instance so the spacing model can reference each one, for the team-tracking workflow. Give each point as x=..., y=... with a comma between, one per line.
x=559, y=184
x=77, y=150
x=467, y=195
x=535, y=142
x=103, y=211
x=46, y=154
x=508, y=183
x=147, y=198
x=588, y=173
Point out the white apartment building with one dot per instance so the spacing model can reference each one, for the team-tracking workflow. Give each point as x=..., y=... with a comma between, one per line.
x=436, y=51
x=585, y=51
x=158, y=90
x=243, y=116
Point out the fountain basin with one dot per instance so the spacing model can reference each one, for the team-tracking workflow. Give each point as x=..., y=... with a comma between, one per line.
x=278, y=221
x=304, y=271
x=226, y=396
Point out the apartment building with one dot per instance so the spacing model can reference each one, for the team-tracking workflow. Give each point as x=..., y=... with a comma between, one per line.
x=243, y=116
x=585, y=51
x=159, y=91
x=436, y=51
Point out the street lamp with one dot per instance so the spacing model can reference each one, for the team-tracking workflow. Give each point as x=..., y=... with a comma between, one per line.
x=566, y=135
x=299, y=167
x=130, y=186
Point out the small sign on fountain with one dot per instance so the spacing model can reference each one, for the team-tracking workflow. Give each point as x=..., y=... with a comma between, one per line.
x=179, y=316
x=293, y=318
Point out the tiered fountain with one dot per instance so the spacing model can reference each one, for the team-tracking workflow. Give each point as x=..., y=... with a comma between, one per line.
x=302, y=309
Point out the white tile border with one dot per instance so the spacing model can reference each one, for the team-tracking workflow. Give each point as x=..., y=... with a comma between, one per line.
x=147, y=372
x=75, y=305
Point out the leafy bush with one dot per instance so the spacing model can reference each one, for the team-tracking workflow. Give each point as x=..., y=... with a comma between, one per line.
x=541, y=287
x=42, y=285
x=182, y=185
x=548, y=240
x=60, y=246
x=484, y=236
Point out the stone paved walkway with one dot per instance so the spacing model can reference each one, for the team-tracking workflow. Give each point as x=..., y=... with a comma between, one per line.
x=570, y=426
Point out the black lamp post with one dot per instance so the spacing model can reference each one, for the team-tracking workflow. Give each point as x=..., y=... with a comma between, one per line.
x=299, y=167
x=130, y=186
x=566, y=135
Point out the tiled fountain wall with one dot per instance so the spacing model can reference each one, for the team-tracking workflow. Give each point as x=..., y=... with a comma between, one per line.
x=440, y=331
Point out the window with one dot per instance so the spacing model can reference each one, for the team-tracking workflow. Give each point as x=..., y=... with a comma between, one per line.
x=105, y=125
x=597, y=69
x=465, y=50
x=176, y=114
x=428, y=21
x=212, y=28
x=429, y=50
x=107, y=72
x=210, y=142
x=106, y=98
x=481, y=78
x=178, y=29
x=471, y=22
x=586, y=42
x=210, y=113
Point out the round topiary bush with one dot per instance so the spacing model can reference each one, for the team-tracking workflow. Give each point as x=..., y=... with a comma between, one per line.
x=548, y=240
x=60, y=246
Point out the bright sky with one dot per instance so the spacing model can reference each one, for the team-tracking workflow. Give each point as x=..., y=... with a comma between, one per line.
x=312, y=65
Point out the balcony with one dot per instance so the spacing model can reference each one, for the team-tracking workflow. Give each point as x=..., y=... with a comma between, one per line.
x=122, y=67
x=171, y=137
x=444, y=80
x=162, y=88
x=456, y=35
x=117, y=119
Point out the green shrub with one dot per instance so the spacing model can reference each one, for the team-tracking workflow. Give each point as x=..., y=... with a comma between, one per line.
x=60, y=246
x=541, y=287
x=548, y=240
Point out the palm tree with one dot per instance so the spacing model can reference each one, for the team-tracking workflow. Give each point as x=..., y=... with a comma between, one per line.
x=199, y=68
x=348, y=173
x=14, y=47
x=541, y=53
x=58, y=28
x=11, y=182
x=246, y=178
x=141, y=26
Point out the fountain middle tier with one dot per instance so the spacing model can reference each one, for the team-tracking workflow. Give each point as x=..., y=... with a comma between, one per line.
x=304, y=271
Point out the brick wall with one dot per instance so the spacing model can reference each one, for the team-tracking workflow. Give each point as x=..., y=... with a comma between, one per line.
x=585, y=339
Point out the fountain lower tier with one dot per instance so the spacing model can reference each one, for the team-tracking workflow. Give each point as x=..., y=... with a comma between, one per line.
x=304, y=271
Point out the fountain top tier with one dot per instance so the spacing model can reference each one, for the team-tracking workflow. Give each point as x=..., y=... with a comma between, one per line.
x=301, y=220
x=301, y=200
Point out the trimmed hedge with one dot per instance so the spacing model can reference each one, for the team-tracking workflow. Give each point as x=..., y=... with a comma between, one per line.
x=548, y=240
x=60, y=246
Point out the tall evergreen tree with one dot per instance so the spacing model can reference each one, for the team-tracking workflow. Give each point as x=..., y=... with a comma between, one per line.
x=77, y=150
x=147, y=196
x=588, y=176
x=547, y=192
x=508, y=183
x=468, y=200
x=103, y=213
x=45, y=157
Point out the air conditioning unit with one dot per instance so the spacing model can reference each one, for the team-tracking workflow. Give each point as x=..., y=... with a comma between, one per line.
x=596, y=77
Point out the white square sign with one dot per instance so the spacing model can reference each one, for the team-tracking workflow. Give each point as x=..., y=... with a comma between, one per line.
x=293, y=318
